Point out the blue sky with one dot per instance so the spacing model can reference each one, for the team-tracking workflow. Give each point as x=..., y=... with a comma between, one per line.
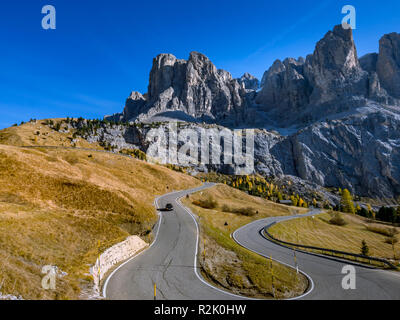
x=102, y=50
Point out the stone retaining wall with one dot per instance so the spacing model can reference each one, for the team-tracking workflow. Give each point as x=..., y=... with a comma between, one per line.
x=114, y=255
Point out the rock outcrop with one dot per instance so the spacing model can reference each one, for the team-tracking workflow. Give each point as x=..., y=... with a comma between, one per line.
x=368, y=62
x=249, y=82
x=331, y=80
x=360, y=152
x=388, y=63
x=334, y=70
x=384, y=71
x=195, y=87
x=285, y=87
x=134, y=106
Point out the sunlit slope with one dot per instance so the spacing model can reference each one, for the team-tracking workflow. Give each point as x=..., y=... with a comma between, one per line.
x=55, y=205
x=39, y=133
x=319, y=232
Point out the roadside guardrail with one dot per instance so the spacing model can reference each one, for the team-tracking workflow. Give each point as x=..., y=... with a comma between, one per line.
x=379, y=262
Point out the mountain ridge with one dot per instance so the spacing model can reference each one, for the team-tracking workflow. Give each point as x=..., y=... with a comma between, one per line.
x=339, y=114
x=331, y=80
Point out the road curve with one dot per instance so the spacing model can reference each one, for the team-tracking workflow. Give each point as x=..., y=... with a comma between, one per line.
x=171, y=262
x=325, y=272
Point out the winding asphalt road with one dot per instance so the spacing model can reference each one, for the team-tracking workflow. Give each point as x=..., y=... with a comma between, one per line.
x=171, y=263
x=325, y=272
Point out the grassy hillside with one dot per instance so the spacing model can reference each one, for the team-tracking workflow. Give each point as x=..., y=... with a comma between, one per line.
x=55, y=205
x=222, y=210
x=321, y=233
x=38, y=133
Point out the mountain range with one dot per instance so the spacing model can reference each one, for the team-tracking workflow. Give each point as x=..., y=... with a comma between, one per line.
x=331, y=118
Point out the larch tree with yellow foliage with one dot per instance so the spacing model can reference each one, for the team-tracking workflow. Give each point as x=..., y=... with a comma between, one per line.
x=346, y=202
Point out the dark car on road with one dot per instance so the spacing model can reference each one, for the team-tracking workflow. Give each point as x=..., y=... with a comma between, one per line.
x=169, y=207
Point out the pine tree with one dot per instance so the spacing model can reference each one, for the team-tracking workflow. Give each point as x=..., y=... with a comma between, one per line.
x=346, y=202
x=364, y=248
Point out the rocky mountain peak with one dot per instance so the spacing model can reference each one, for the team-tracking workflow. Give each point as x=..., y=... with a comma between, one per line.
x=334, y=66
x=162, y=74
x=200, y=60
x=194, y=87
x=388, y=63
x=136, y=96
x=200, y=65
x=338, y=115
x=285, y=87
x=295, y=92
x=249, y=82
x=329, y=81
x=368, y=62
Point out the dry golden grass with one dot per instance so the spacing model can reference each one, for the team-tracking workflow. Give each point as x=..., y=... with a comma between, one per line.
x=236, y=199
x=320, y=233
x=39, y=134
x=55, y=205
x=229, y=265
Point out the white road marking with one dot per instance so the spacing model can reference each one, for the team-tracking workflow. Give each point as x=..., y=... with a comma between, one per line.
x=177, y=200
x=261, y=254
x=130, y=259
x=195, y=258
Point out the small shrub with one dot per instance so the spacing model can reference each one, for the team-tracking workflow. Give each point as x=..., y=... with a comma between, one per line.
x=337, y=220
x=391, y=240
x=71, y=159
x=208, y=203
x=135, y=153
x=385, y=231
x=248, y=211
